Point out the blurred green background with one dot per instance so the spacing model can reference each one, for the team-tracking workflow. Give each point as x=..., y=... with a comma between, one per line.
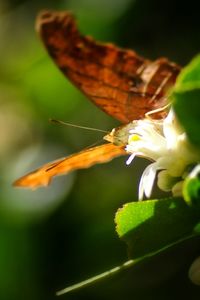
x=53, y=237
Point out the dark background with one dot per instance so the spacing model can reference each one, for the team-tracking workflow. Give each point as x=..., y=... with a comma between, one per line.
x=54, y=237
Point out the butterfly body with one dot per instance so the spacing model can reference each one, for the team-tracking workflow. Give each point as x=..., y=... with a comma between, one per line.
x=119, y=81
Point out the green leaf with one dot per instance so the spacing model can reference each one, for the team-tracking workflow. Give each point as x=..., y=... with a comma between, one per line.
x=186, y=102
x=190, y=76
x=187, y=108
x=191, y=187
x=152, y=225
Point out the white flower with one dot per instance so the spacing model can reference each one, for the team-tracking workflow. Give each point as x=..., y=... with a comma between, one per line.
x=164, y=143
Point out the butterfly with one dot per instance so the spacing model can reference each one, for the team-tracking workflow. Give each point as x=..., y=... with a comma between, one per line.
x=119, y=81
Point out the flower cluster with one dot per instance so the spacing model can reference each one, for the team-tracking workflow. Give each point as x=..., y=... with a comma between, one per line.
x=164, y=143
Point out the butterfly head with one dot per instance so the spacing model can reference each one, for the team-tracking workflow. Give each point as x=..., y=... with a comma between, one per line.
x=119, y=136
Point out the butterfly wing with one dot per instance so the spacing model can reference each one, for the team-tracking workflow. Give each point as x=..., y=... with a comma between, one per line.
x=121, y=83
x=81, y=160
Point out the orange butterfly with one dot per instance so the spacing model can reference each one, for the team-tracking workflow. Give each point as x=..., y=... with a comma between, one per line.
x=123, y=84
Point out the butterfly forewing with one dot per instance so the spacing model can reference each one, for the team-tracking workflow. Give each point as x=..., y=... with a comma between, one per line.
x=81, y=160
x=121, y=83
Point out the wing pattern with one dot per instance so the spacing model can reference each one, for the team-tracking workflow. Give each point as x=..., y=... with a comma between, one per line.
x=120, y=82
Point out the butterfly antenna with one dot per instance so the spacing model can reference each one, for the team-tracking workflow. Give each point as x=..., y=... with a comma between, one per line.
x=77, y=126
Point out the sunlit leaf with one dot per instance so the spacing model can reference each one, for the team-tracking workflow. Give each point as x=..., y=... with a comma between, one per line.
x=187, y=100
x=155, y=224
x=191, y=188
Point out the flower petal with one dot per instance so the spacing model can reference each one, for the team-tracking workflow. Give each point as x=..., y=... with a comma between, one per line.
x=130, y=159
x=147, y=181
